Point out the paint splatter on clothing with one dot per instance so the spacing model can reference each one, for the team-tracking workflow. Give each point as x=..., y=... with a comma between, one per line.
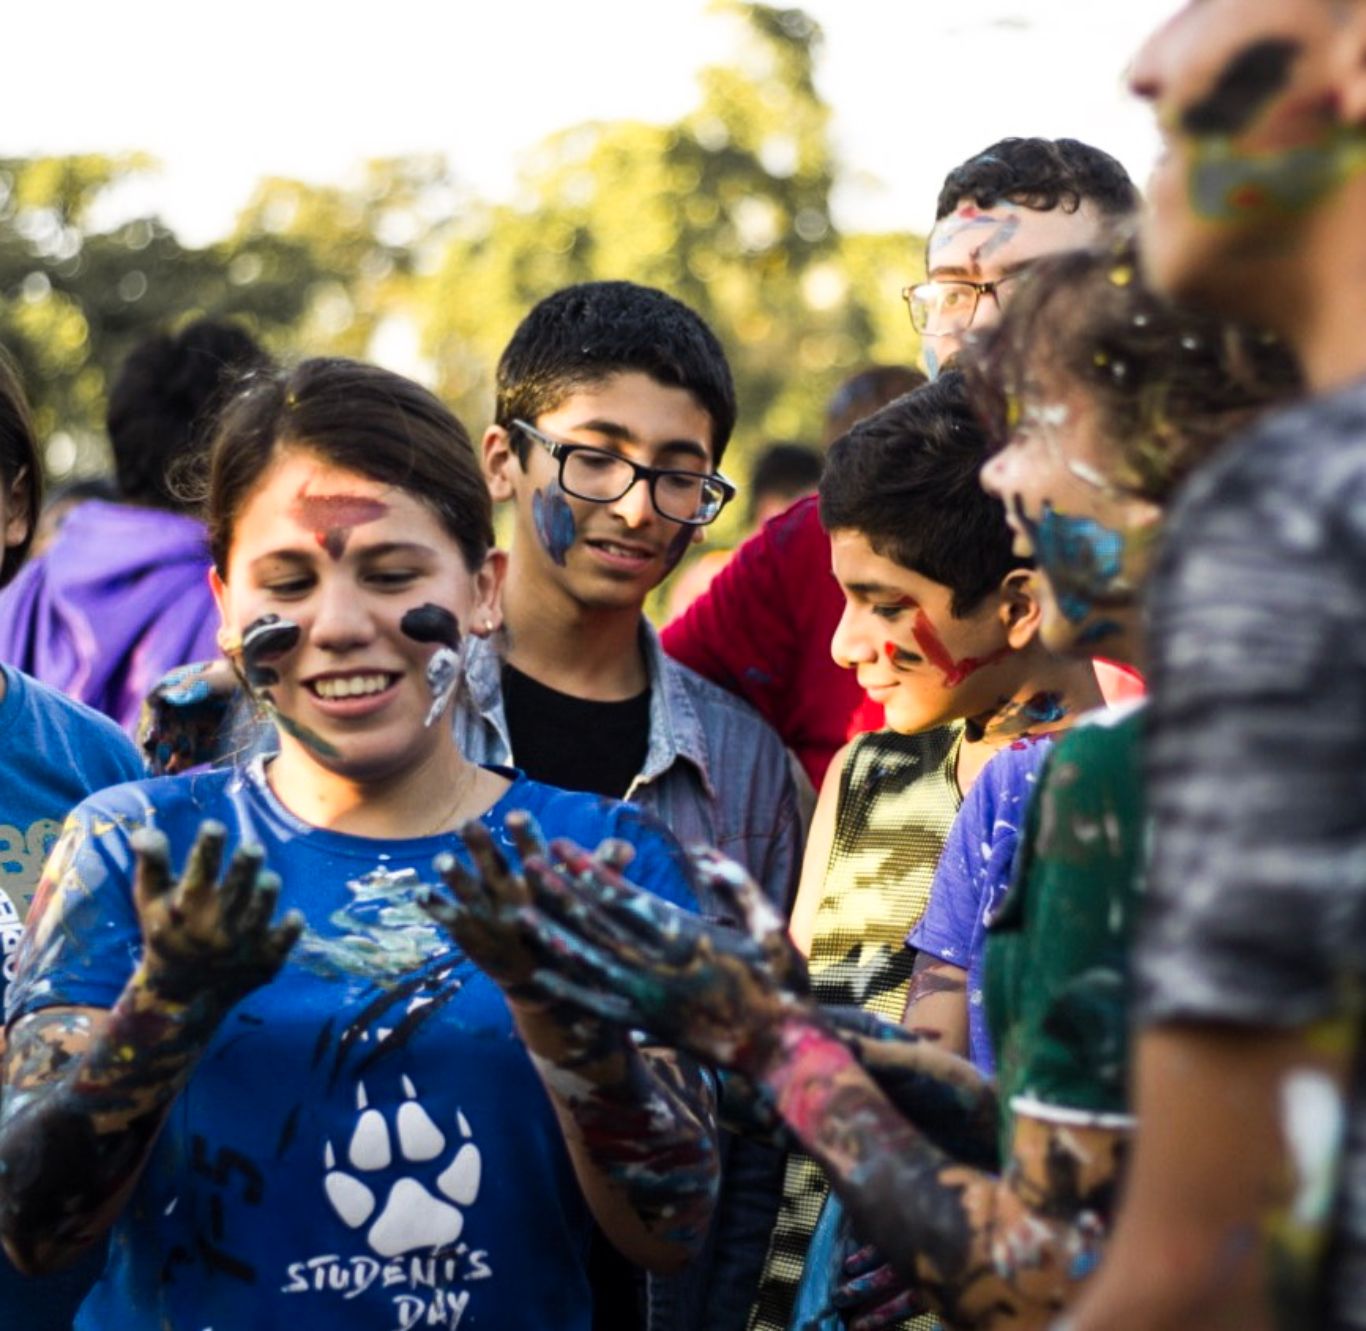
x=365, y=1141
x=1057, y=973
x=898, y=798
x=1258, y=746
x=973, y=875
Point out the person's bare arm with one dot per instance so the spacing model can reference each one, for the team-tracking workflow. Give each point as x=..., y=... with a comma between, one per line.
x=937, y=1004
x=86, y=1091
x=816, y=860
x=1229, y=1196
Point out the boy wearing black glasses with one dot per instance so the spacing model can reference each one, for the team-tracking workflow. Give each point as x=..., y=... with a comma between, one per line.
x=614, y=406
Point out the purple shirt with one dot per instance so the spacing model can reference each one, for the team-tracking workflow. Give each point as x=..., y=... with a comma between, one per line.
x=119, y=598
x=973, y=875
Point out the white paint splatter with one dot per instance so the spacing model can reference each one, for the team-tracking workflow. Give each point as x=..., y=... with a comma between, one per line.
x=1314, y=1121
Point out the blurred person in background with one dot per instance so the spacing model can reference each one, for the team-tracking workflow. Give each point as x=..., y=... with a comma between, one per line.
x=62, y=500
x=121, y=595
x=782, y=474
x=863, y=392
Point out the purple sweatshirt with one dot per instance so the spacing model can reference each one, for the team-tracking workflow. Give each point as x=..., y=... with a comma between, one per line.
x=119, y=598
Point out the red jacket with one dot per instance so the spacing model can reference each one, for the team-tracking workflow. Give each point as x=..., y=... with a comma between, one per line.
x=763, y=629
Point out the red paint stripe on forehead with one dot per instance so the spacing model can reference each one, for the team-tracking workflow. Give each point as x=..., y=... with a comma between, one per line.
x=322, y=513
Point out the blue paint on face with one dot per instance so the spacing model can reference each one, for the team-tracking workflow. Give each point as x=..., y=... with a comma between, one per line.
x=1045, y=707
x=554, y=519
x=1098, y=632
x=931, y=358
x=677, y=548
x=1081, y=559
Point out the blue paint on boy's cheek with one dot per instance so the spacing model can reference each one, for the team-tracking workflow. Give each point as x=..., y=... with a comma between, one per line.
x=931, y=358
x=1081, y=559
x=554, y=520
x=677, y=548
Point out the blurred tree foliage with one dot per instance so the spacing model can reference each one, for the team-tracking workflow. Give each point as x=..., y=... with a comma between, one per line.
x=730, y=209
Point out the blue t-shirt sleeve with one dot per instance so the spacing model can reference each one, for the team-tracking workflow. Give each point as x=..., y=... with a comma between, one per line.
x=975, y=869
x=946, y=929
x=82, y=939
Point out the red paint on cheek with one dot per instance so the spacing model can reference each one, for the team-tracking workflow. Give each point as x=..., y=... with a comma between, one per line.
x=934, y=651
x=331, y=518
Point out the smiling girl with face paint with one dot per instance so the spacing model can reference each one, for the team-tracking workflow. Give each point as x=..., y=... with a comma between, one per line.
x=338, y=1118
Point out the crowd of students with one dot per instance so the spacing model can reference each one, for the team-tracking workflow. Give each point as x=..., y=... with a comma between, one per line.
x=452, y=949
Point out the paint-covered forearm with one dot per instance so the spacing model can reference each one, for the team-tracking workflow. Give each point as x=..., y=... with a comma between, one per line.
x=76, y=1127
x=641, y=1130
x=984, y=1251
x=86, y=1091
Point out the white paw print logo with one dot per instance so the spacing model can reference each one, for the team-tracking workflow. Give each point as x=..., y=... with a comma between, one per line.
x=413, y=1216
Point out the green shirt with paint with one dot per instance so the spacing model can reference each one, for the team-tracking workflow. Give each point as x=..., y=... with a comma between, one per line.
x=1057, y=982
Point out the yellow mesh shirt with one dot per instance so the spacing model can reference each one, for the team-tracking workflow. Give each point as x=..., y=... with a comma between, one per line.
x=898, y=798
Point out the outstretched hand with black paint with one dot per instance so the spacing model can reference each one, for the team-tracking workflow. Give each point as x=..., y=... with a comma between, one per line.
x=205, y=938
x=716, y=992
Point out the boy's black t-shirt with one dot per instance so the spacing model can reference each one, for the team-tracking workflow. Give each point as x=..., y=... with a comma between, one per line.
x=575, y=743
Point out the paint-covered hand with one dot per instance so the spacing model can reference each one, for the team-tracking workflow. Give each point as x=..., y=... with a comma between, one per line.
x=636, y=960
x=183, y=718
x=492, y=917
x=872, y=1296
x=205, y=941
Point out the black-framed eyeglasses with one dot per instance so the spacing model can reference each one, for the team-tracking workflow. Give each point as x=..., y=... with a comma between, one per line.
x=694, y=498
x=949, y=306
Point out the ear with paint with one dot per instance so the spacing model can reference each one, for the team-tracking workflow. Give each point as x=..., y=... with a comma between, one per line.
x=1021, y=613
x=500, y=464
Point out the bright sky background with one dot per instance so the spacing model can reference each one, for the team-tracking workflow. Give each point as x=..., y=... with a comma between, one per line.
x=225, y=91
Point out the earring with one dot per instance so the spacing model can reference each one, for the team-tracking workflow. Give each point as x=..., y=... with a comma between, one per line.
x=488, y=623
x=228, y=641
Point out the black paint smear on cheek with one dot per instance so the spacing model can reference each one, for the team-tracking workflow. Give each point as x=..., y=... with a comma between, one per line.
x=430, y=623
x=1248, y=82
x=265, y=638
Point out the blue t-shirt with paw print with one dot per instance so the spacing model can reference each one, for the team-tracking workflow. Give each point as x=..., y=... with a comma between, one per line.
x=365, y=1142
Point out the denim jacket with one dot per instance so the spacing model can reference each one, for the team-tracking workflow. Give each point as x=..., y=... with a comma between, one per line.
x=718, y=775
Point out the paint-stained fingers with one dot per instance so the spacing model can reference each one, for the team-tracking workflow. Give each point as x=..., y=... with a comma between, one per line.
x=641, y=913
x=587, y=920
x=442, y=911
x=285, y=934
x=200, y=879
x=525, y=833
x=235, y=892
x=496, y=878
x=615, y=854
x=873, y=1283
x=259, y=898
x=601, y=1003
x=737, y=890
x=890, y=1314
x=152, y=879
x=466, y=887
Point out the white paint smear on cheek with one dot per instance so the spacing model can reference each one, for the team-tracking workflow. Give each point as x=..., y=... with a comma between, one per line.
x=1314, y=1121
